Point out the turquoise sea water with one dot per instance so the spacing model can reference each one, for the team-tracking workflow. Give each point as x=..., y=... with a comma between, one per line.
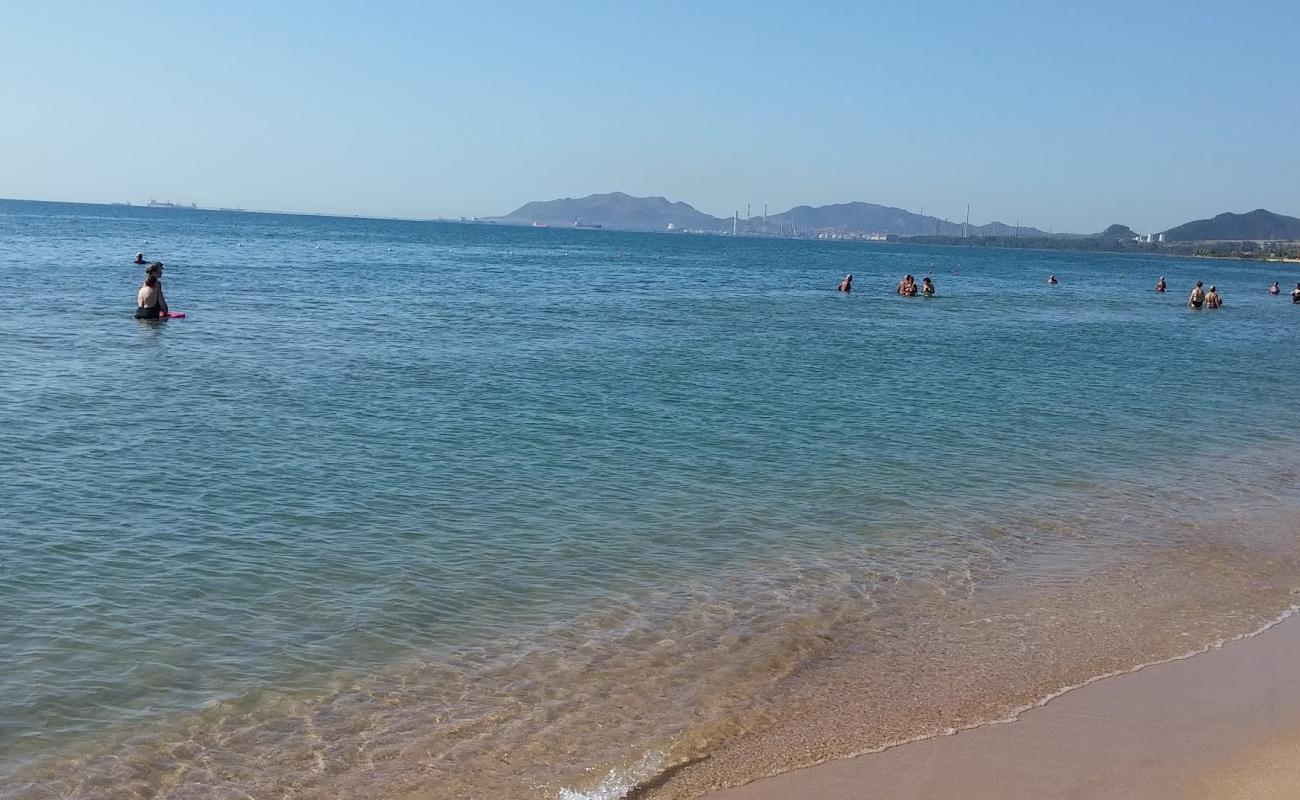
x=427, y=455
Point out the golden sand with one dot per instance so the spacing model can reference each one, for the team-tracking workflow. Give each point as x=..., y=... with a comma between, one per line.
x=1222, y=725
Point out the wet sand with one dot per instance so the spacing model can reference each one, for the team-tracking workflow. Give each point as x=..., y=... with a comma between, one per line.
x=1221, y=724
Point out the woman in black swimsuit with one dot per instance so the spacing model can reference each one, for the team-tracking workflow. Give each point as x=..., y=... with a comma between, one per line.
x=148, y=301
x=155, y=271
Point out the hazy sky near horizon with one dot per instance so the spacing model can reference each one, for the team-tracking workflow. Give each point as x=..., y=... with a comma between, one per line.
x=1063, y=116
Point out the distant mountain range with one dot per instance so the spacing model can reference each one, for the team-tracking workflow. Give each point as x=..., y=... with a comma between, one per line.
x=1255, y=225
x=624, y=212
x=871, y=218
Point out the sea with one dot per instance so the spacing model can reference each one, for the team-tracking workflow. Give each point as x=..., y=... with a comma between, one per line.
x=433, y=510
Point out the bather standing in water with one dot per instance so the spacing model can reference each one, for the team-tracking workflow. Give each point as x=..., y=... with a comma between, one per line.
x=147, y=300
x=1197, y=298
x=927, y=286
x=1212, y=299
x=1160, y=284
x=1051, y=280
x=155, y=270
x=846, y=285
x=1275, y=289
x=139, y=258
x=907, y=286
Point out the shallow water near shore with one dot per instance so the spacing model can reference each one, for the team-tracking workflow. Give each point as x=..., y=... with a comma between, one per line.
x=430, y=510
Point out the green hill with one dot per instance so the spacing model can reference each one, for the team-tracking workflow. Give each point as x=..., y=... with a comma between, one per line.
x=1119, y=232
x=616, y=210
x=1255, y=225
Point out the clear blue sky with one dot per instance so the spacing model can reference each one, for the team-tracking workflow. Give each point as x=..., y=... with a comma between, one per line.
x=1071, y=116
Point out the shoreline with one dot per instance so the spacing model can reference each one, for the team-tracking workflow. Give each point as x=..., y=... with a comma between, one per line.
x=1219, y=723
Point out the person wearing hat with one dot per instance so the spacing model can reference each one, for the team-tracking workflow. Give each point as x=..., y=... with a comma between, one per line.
x=1212, y=299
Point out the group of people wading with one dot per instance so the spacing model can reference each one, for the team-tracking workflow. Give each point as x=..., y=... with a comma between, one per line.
x=1209, y=298
x=1295, y=293
x=1199, y=298
x=907, y=287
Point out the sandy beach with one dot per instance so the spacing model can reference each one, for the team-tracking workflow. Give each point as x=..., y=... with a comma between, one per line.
x=1220, y=724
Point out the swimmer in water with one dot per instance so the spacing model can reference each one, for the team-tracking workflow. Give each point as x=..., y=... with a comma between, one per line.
x=1212, y=299
x=147, y=299
x=1197, y=298
x=1295, y=294
x=139, y=258
x=1051, y=280
x=155, y=271
x=1275, y=289
x=927, y=286
x=907, y=286
x=1160, y=284
x=846, y=285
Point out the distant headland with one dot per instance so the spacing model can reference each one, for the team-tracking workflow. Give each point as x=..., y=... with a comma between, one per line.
x=1256, y=234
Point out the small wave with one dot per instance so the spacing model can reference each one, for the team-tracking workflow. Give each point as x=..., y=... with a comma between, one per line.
x=617, y=783
x=1286, y=614
x=1016, y=713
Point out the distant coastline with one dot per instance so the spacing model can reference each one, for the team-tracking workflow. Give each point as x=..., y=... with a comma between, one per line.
x=1269, y=251
x=1276, y=251
x=1257, y=233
